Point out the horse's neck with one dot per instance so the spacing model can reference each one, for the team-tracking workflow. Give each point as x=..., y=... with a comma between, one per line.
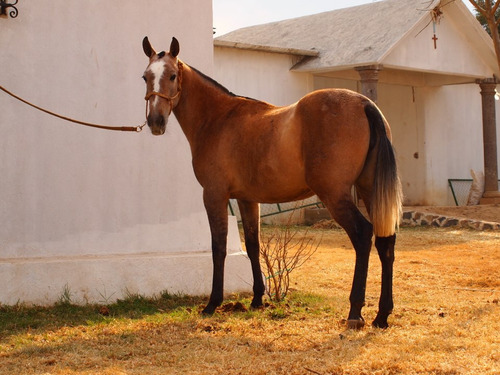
x=200, y=103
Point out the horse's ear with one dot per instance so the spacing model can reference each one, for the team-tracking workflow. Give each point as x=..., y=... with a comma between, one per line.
x=174, y=47
x=146, y=46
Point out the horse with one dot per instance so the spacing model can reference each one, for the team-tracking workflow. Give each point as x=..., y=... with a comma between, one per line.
x=255, y=152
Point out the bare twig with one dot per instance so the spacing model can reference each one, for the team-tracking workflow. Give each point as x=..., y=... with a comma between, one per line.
x=281, y=253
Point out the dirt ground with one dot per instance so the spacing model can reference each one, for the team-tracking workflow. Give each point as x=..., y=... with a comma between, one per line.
x=488, y=212
x=445, y=320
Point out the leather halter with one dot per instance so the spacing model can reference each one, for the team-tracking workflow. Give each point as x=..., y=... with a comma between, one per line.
x=170, y=99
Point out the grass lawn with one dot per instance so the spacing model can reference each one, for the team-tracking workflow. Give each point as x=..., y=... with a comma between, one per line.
x=445, y=321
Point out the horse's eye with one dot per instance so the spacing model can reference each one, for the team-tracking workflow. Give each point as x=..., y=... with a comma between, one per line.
x=172, y=77
x=144, y=78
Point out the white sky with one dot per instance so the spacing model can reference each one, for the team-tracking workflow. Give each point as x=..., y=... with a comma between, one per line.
x=230, y=15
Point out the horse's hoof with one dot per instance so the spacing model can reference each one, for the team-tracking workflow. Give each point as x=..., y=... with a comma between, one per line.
x=380, y=323
x=381, y=320
x=256, y=304
x=209, y=310
x=355, y=323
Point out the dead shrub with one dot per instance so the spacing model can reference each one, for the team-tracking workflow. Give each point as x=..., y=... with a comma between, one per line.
x=282, y=251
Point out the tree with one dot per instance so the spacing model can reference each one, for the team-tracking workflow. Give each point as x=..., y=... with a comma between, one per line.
x=487, y=10
x=482, y=19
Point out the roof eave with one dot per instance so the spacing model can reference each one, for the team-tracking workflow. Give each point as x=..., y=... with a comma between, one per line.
x=305, y=67
x=261, y=48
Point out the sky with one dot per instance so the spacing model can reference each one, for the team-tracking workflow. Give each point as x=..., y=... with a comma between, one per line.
x=230, y=15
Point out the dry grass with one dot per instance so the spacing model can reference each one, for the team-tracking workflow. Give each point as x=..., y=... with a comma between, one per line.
x=446, y=321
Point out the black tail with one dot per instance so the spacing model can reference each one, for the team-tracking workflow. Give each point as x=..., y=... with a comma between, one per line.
x=386, y=200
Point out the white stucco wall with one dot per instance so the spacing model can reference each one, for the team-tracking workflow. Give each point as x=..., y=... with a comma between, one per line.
x=459, y=48
x=400, y=106
x=260, y=75
x=94, y=210
x=453, y=137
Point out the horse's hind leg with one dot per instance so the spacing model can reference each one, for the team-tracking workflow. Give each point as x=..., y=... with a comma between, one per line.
x=360, y=232
x=385, y=248
x=251, y=227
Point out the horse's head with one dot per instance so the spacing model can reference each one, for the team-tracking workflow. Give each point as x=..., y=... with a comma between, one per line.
x=163, y=84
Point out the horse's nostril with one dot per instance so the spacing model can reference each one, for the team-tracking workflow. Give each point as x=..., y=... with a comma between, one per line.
x=156, y=120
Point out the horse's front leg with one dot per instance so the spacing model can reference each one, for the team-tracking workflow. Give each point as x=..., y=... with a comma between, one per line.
x=251, y=225
x=216, y=208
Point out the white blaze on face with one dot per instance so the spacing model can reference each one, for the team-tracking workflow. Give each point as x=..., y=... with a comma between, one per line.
x=157, y=68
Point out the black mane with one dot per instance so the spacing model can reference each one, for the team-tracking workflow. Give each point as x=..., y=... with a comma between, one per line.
x=219, y=86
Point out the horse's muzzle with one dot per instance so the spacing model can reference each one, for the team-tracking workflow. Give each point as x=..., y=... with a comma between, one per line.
x=157, y=124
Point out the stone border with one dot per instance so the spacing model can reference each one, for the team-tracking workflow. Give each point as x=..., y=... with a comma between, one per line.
x=320, y=218
x=416, y=218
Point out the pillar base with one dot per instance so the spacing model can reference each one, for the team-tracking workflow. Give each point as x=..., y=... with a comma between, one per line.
x=490, y=197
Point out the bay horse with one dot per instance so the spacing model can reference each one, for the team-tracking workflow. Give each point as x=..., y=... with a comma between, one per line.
x=255, y=152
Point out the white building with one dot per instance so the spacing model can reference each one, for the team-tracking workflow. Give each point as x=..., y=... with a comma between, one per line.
x=421, y=60
x=92, y=212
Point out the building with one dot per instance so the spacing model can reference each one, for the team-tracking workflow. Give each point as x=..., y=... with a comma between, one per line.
x=424, y=63
x=90, y=213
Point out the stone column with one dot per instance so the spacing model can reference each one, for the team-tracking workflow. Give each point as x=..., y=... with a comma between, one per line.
x=491, y=193
x=369, y=83
x=369, y=80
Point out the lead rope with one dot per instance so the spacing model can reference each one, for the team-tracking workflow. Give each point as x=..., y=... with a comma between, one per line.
x=106, y=127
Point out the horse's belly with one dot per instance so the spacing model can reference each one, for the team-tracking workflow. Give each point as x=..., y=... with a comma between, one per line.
x=272, y=197
x=272, y=188
x=295, y=196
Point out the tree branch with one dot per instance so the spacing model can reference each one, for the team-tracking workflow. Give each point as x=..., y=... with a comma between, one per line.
x=495, y=7
x=479, y=8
